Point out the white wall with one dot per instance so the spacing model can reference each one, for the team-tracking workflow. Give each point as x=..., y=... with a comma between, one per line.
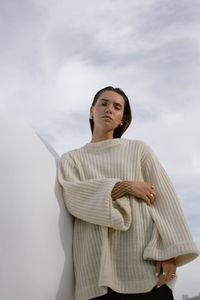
x=35, y=229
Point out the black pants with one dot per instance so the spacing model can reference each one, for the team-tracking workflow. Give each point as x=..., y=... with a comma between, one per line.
x=162, y=293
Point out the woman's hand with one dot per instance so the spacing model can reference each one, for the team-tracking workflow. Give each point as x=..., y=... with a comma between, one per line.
x=166, y=269
x=139, y=189
x=144, y=191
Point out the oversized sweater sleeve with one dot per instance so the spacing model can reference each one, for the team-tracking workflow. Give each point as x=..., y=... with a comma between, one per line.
x=90, y=200
x=171, y=236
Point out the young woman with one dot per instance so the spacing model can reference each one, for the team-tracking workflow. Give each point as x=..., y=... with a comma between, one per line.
x=130, y=232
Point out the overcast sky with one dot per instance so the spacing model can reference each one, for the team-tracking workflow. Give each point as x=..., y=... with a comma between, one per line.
x=55, y=55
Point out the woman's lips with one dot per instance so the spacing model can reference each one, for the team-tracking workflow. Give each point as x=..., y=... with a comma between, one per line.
x=107, y=117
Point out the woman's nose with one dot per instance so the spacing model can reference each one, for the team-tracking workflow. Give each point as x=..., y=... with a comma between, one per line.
x=108, y=109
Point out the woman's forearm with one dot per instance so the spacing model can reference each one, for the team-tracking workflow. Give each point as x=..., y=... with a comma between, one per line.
x=120, y=189
x=139, y=189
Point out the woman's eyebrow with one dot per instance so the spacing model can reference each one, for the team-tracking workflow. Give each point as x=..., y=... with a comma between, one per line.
x=109, y=100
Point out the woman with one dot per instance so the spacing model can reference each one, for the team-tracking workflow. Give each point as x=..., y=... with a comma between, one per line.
x=130, y=233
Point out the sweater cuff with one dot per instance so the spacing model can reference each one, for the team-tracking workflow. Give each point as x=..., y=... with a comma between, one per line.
x=121, y=213
x=183, y=252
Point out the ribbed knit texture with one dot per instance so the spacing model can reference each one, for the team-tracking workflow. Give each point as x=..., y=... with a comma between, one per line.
x=116, y=243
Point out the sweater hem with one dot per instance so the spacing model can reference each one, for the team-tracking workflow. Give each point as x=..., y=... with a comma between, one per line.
x=94, y=291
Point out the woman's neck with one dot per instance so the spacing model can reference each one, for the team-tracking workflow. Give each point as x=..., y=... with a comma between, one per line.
x=101, y=137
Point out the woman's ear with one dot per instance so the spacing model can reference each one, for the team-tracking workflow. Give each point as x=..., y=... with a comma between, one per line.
x=91, y=112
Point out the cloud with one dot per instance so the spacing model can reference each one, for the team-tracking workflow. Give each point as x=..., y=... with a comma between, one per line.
x=56, y=55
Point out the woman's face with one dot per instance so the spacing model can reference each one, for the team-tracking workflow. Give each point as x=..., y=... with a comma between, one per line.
x=108, y=110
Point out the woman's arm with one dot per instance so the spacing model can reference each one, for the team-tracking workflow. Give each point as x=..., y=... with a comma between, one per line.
x=140, y=189
x=171, y=236
x=90, y=200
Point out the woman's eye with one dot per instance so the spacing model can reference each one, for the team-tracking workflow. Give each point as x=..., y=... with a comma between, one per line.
x=116, y=107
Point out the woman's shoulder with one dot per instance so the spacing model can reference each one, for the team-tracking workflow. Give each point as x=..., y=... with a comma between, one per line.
x=71, y=154
x=140, y=147
x=68, y=154
x=137, y=143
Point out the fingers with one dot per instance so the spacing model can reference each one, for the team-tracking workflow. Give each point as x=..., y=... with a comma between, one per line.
x=152, y=190
x=166, y=276
x=162, y=280
x=158, y=268
x=148, y=201
x=170, y=276
x=151, y=194
x=151, y=198
x=144, y=191
x=169, y=271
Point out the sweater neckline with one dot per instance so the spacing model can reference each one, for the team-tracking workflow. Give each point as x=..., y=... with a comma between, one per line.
x=104, y=144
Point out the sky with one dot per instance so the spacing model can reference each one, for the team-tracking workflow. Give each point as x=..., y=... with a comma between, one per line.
x=55, y=56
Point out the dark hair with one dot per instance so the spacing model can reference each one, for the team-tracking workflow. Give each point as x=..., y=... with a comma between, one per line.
x=127, y=117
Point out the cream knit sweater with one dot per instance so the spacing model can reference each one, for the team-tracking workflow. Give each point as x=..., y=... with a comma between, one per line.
x=116, y=243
